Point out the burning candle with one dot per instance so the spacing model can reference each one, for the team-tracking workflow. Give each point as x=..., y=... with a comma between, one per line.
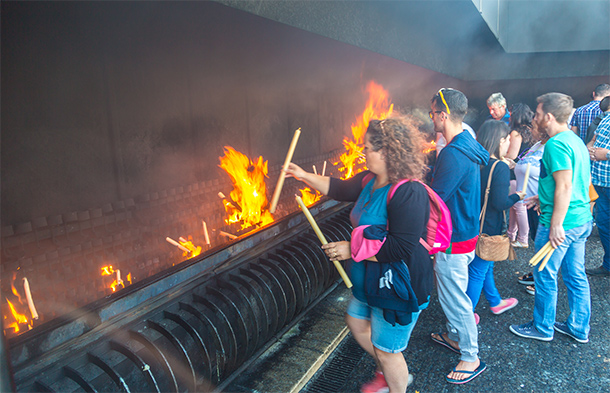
x=175, y=243
x=362, y=155
x=225, y=234
x=324, y=168
x=320, y=235
x=280, y=181
x=527, y=176
x=314, y=169
x=221, y=195
x=118, y=277
x=205, y=233
x=28, y=296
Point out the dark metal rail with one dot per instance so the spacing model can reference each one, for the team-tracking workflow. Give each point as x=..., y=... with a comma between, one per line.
x=197, y=332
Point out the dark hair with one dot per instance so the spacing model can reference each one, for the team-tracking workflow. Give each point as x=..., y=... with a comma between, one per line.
x=602, y=90
x=557, y=104
x=456, y=102
x=490, y=134
x=521, y=117
x=401, y=144
x=604, y=104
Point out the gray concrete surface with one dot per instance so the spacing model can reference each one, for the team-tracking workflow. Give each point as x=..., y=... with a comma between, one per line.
x=514, y=364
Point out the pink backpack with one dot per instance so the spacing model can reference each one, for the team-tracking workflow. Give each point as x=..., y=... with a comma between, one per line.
x=439, y=226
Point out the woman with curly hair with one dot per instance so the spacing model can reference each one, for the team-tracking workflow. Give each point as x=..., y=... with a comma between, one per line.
x=394, y=151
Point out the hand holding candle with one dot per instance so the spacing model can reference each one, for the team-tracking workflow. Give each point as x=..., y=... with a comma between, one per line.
x=280, y=181
x=320, y=235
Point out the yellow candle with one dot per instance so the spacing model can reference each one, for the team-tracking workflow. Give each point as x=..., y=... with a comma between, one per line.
x=548, y=256
x=527, y=176
x=316, y=229
x=540, y=254
x=280, y=181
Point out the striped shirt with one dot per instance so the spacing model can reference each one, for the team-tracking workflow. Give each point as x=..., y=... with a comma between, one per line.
x=584, y=116
x=600, y=170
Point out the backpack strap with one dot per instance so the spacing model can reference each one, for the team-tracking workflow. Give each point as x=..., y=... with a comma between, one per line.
x=393, y=189
x=483, y=210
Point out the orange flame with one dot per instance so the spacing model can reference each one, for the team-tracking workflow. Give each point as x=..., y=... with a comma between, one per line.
x=378, y=106
x=249, y=189
x=193, y=250
x=309, y=197
x=430, y=147
x=18, y=319
x=108, y=271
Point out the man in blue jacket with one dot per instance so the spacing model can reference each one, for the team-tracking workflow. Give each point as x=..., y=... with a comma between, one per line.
x=457, y=181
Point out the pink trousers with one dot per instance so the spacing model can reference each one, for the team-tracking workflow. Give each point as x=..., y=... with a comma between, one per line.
x=518, y=226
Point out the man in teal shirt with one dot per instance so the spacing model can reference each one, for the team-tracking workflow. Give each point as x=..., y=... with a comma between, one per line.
x=565, y=222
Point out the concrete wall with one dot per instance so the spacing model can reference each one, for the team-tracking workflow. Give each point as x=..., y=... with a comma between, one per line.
x=104, y=101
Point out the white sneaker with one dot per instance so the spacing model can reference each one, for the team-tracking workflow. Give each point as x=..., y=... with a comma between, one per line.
x=518, y=244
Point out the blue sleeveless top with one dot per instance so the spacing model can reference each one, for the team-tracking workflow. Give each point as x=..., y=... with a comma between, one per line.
x=370, y=209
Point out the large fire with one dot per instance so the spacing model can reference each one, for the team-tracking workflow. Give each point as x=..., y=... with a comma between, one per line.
x=249, y=195
x=378, y=106
x=19, y=319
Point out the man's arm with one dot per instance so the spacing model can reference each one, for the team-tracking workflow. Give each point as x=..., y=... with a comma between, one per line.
x=561, y=202
x=575, y=129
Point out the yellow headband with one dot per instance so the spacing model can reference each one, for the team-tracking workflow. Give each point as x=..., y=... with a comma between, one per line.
x=440, y=92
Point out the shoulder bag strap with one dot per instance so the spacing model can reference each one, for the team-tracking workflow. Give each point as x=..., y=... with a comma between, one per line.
x=482, y=216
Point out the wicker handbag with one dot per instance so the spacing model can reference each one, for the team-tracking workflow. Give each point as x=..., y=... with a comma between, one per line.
x=497, y=247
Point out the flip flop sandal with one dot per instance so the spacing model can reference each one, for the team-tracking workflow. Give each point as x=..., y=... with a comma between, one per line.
x=443, y=342
x=527, y=279
x=471, y=374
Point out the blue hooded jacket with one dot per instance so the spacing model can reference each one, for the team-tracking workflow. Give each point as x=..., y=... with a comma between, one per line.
x=457, y=180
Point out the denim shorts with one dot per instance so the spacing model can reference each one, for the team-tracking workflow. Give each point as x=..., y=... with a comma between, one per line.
x=388, y=338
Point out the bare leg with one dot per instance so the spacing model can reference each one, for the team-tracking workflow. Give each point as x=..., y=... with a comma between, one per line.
x=361, y=330
x=394, y=369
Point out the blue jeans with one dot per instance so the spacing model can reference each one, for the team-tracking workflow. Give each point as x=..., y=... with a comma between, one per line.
x=481, y=277
x=570, y=257
x=602, y=219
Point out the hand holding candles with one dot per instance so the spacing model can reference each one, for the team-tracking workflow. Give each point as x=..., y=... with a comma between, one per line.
x=280, y=181
x=320, y=235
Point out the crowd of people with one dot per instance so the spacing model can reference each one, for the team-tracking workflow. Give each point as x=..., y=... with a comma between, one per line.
x=392, y=269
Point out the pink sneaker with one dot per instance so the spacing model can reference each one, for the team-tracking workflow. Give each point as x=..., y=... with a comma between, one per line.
x=379, y=385
x=476, y=318
x=505, y=305
x=376, y=385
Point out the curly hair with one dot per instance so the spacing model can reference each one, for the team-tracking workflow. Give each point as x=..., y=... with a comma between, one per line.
x=521, y=117
x=401, y=144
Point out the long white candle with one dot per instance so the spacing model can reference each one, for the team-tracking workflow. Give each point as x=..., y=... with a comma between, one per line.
x=175, y=243
x=205, y=233
x=324, y=168
x=280, y=181
x=314, y=169
x=320, y=235
x=225, y=234
x=28, y=296
x=527, y=176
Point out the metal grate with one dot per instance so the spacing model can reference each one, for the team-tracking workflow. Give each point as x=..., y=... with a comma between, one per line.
x=337, y=371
